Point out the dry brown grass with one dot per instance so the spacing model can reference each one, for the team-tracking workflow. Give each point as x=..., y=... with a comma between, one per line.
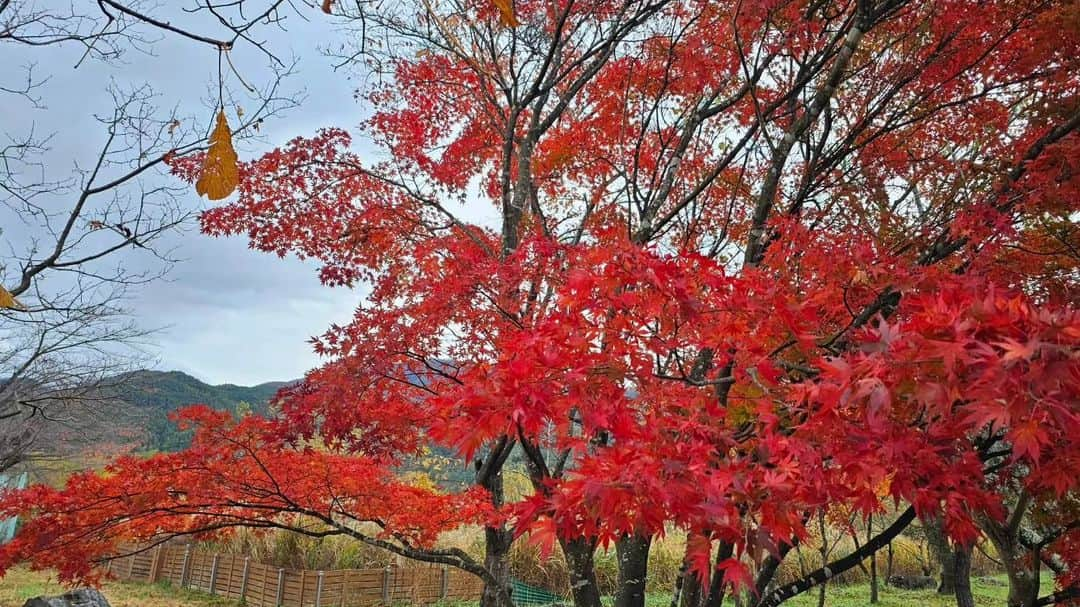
x=21, y=584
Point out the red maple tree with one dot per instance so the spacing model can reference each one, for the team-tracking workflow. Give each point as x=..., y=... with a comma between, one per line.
x=752, y=259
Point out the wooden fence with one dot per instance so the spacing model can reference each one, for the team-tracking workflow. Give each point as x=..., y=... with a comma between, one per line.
x=259, y=585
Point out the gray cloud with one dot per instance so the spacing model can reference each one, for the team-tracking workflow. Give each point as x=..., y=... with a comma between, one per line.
x=227, y=313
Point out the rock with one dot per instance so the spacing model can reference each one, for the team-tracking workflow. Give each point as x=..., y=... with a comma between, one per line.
x=82, y=597
x=912, y=582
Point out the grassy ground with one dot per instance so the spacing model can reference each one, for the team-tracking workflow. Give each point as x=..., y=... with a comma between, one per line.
x=21, y=584
x=987, y=591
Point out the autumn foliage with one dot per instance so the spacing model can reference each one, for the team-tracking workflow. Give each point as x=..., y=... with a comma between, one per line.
x=752, y=260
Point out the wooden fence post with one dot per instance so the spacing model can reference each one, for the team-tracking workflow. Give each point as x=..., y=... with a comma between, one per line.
x=231, y=575
x=156, y=564
x=184, y=566
x=265, y=576
x=213, y=573
x=244, y=577
x=408, y=586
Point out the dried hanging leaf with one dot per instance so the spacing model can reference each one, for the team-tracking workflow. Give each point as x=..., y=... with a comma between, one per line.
x=506, y=12
x=220, y=175
x=326, y=6
x=7, y=300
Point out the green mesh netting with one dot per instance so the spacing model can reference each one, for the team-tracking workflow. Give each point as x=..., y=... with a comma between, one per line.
x=9, y=526
x=525, y=594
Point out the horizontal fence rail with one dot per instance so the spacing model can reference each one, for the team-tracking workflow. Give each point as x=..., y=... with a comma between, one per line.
x=259, y=585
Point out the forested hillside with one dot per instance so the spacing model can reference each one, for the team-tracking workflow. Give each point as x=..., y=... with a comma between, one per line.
x=155, y=394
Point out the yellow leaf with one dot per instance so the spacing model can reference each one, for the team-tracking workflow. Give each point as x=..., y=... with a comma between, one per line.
x=220, y=175
x=506, y=12
x=7, y=300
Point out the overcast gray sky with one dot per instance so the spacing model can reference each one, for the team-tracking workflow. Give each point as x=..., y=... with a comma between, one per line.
x=228, y=314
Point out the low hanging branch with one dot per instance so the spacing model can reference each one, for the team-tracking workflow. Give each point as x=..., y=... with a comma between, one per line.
x=1059, y=597
x=839, y=566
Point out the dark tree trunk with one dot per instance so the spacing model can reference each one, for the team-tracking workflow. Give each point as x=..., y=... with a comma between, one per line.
x=767, y=571
x=1023, y=581
x=632, y=552
x=824, y=556
x=579, y=558
x=676, y=596
x=947, y=584
x=888, y=562
x=497, y=542
x=873, y=561
x=962, y=577
x=693, y=590
x=716, y=584
x=1022, y=569
x=692, y=595
x=945, y=555
x=579, y=552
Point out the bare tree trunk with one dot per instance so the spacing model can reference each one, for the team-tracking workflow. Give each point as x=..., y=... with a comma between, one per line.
x=579, y=558
x=676, y=595
x=888, y=562
x=873, y=561
x=1023, y=572
x=692, y=595
x=579, y=551
x=633, y=556
x=692, y=592
x=824, y=556
x=768, y=569
x=716, y=585
x=945, y=556
x=962, y=577
x=497, y=542
x=1023, y=581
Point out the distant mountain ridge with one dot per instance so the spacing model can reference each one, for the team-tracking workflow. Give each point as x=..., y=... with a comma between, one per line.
x=155, y=394
x=149, y=396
